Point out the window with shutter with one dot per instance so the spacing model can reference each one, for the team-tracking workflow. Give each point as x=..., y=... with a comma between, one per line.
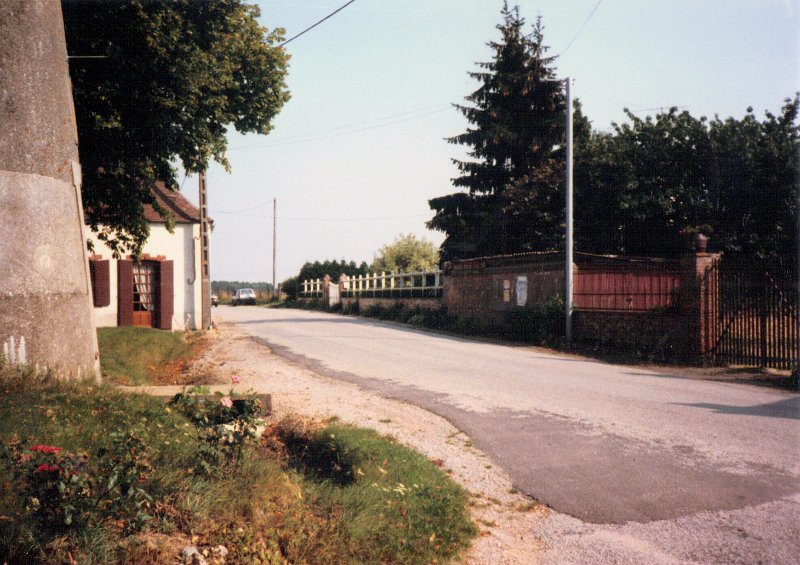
x=100, y=272
x=166, y=295
x=124, y=293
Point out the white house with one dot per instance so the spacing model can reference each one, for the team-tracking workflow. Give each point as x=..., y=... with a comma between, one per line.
x=160, y=290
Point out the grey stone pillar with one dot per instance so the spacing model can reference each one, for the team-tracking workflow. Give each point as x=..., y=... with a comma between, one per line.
x=45, y=295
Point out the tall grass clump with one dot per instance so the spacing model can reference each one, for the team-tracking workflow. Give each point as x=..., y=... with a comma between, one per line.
x=391, y=498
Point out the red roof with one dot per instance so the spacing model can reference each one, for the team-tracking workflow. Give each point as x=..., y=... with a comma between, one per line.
x=182, y=210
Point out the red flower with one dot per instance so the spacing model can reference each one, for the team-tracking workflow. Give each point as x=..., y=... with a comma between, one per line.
x=45, y=449
x=46, y=468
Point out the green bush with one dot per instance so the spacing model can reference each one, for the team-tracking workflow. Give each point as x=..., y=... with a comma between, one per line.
x=540, y=323
x=351, y=308
x=225, y=423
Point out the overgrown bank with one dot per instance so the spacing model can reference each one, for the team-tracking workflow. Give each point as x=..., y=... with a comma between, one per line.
x=92, y=475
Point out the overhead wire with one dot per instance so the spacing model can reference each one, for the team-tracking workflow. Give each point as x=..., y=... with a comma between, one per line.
x=336, y=132
x=336, y=11
x=581, y=28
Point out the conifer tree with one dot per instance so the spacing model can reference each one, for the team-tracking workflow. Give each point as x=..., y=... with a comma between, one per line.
x=514, y=179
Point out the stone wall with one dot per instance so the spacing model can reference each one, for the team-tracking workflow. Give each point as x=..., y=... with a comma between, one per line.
x=431, y=303
x=488, y=287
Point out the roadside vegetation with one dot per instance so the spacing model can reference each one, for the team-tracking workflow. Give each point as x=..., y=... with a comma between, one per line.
x=538, y=324
x=146, y=356
x=89, y=474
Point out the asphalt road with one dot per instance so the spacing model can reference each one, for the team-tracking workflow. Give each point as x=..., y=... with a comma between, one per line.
x=604, y=443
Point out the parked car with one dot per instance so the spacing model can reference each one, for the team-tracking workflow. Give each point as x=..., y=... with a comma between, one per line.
x=244, y=296
x=214, y=300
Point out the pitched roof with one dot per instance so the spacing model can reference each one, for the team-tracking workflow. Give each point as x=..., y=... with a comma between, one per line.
x=182, y=210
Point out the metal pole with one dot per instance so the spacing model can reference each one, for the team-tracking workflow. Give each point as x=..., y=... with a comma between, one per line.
x=796, y=375
x=568, y=269
x=274, y=222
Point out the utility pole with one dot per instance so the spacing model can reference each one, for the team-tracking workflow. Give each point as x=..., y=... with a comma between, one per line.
x=796, y=375
x=46, y=308
x=274, y=223
x=205, y=271
x=568, y=269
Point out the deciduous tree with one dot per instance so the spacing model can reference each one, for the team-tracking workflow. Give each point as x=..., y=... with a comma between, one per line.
x=406, y=254
x=170, y=79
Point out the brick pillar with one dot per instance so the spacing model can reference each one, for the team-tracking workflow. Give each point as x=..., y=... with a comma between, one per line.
x=326, y=293
x=697, y=295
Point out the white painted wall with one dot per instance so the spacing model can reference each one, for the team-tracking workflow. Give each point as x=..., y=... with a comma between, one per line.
x=183, y=248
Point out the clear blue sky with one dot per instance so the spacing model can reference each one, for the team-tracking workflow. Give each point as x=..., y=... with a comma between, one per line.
x=359, y=149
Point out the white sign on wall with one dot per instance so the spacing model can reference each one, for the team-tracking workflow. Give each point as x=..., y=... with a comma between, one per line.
x=522, y=290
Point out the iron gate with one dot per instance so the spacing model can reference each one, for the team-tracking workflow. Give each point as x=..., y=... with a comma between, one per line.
x=751, y=314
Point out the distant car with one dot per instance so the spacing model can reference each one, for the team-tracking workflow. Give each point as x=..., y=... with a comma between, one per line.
x=244, y=296
x=214, y=300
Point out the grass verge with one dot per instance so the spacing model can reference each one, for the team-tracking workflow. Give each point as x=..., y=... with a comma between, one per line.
x=143, y=356
x=303, y=494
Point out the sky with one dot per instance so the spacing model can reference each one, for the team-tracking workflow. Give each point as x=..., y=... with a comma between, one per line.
x=361, y=147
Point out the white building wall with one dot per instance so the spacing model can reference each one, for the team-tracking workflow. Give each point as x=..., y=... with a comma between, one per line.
x=182, y=247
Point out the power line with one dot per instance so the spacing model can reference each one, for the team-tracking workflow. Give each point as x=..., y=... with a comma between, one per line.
x=316, y=24
x=581, y=28
x=370, y=124
x=355, y=130
x=328, y=219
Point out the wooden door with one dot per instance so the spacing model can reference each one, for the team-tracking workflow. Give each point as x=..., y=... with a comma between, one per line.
x=145, y=292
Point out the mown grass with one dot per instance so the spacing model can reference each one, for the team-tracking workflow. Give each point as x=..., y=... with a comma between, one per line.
x=141, y=356
x=310, y=494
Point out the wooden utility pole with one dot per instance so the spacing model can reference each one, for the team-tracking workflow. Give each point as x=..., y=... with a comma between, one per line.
x=274, y=223
x=46, y=308
x=205, y=271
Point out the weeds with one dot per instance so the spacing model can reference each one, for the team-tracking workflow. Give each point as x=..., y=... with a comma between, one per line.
x=310, y=493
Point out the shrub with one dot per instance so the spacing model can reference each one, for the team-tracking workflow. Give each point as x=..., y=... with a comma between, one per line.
x=351, y=308
x=225, y=423
x=58, y=491
x=539, y=323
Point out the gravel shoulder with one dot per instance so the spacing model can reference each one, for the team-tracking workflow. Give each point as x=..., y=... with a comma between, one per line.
x=508, y=521
x=514, y=528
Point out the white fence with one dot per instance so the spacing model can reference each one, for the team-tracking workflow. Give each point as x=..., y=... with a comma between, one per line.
x=426, y=284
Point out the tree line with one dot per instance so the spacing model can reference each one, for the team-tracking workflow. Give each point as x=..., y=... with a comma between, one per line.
x=646, y=187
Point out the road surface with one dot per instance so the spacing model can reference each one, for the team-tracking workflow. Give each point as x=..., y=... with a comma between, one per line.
x=604, y=443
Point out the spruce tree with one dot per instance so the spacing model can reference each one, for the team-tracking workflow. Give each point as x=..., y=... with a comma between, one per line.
x=513, y=182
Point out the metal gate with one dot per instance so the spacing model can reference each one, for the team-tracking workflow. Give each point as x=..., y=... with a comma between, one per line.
x=751, y=314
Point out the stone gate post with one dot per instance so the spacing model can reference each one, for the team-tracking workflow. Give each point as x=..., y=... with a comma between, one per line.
x=697, y=297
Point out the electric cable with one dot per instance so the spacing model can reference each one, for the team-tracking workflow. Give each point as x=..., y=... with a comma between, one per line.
x=316, y=24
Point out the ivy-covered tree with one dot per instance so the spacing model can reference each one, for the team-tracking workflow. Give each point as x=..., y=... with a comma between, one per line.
x=155, y=82
x=515, y=176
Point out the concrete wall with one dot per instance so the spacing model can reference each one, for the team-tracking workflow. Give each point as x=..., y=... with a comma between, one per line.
x=45, y=299
x=182, y=248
